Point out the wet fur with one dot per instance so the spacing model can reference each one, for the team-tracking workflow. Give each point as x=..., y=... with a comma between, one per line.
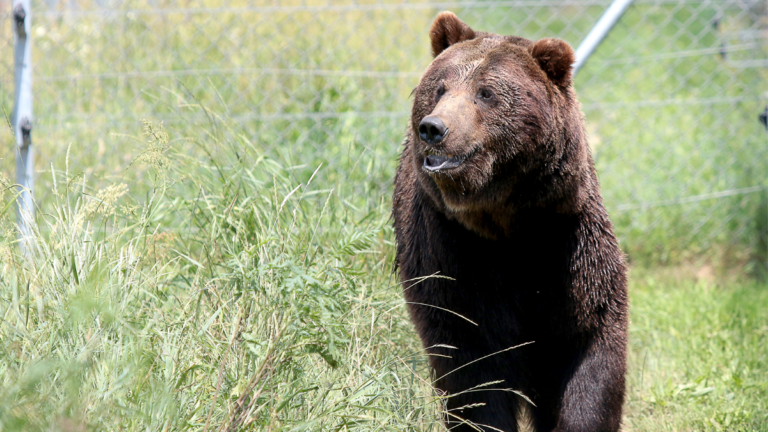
x=521, y=230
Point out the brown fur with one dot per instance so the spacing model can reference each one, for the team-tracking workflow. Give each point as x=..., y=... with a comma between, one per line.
x=447, y=31
x=520, y=228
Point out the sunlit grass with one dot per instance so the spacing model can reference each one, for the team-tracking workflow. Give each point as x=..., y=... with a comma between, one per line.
x=231, y=296
x=699, y=354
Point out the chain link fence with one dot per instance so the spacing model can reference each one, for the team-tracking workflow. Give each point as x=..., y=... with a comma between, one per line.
x=671, y=97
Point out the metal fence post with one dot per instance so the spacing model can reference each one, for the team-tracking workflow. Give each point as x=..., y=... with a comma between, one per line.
x=22, y=118
x=599, y=32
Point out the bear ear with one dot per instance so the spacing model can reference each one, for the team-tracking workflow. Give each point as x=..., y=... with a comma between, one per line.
x=447, y=30
x=555, y=57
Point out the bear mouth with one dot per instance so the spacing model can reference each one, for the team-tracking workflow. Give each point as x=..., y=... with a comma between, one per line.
x=441, y=162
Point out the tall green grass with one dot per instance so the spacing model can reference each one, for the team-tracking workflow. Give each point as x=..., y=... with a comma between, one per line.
x=232, y=295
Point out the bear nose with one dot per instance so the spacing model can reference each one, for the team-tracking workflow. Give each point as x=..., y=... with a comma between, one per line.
x=432, y=130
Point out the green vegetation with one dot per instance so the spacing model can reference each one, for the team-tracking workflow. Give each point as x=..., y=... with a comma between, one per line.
x=236, y=273
x=232, y=295
x=699, y=357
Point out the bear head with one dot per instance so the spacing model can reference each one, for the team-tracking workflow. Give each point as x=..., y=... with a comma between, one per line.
x=496, y=127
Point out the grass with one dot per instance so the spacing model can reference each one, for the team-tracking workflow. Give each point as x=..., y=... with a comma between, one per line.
x=698, y=355
x=223, y=299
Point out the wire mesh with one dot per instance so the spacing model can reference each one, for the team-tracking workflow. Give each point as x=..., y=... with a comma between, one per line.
x=671, y=97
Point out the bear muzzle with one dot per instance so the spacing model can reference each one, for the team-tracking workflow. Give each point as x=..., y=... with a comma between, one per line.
x=455, y=114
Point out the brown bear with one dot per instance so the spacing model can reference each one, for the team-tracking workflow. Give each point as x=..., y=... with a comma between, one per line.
x=496, y=195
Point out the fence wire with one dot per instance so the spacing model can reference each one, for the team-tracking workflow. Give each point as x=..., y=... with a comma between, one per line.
x=671, y=97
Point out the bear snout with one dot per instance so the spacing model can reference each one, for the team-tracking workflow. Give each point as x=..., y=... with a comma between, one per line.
x=432, y=130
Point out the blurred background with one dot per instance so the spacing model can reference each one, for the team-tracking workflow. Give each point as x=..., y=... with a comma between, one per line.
x=671, y=97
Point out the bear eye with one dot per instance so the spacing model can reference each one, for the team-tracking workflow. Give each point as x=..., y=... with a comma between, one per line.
x=485, y=94
x=440, y=91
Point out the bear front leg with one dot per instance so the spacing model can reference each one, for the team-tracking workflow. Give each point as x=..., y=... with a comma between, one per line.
x=592, y=398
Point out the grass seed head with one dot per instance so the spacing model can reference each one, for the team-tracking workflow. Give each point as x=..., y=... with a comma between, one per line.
x=104, y=202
